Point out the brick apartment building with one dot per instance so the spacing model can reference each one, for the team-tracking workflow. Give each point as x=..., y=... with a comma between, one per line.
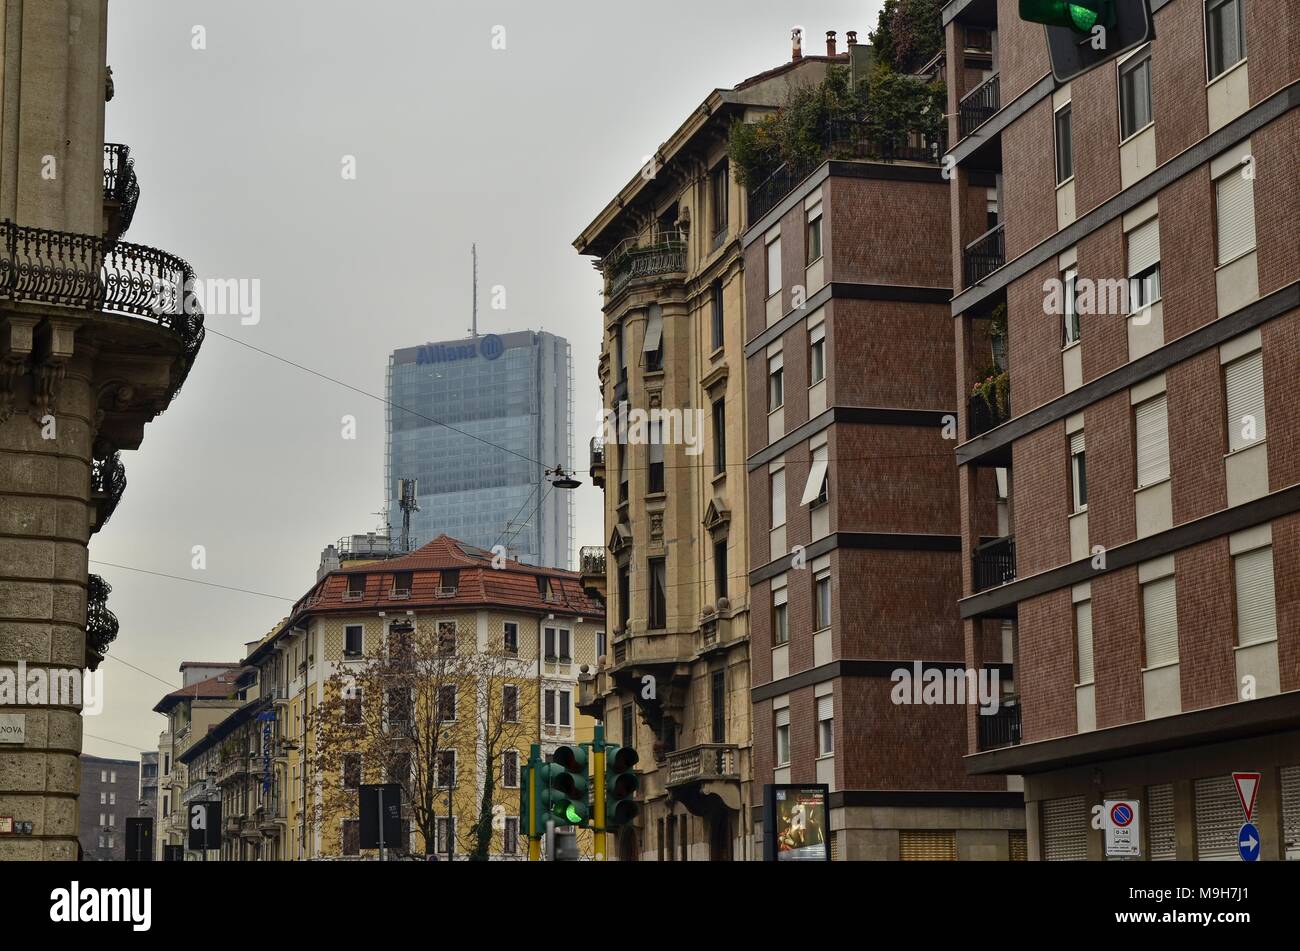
x=110, y=793
x=847, y=397
x=1130, y=503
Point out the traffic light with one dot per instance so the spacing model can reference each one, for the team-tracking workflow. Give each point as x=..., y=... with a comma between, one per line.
x=620, y=786
x=1079, y=15
x=564, y=786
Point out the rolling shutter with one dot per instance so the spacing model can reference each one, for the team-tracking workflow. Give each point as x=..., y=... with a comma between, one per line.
x=1244, y=384
x=1152, y=423
x=1065, y=830
x=1291, y=813
x=1144, y=247
x=825, y=708
x=927, y=846
x=654, y=329
x=1160, y=621
x=1218, y=818
x=1236, y=206
x=1256, y=611
x=1018, y=845
x=1160, y=823
x=1083, y=636
x=783, y=717
x=816, y=475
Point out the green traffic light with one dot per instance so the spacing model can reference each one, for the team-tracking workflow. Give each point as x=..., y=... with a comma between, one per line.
x=1079, y=15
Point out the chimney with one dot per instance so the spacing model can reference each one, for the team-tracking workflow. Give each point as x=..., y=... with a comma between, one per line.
x=853, y=38
x=830, y=42
x=796, y=42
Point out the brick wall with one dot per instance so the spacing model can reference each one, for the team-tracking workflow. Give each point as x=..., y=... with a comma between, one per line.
x=1206, y=624
x=888, y=232
x=1116, y=646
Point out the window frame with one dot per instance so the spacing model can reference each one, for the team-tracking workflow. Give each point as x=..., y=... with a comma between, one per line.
x=1126, y=70
x=361, y=638
x=776, y=382
x=1068, y=154
x=1213, y=5
x=813, y=226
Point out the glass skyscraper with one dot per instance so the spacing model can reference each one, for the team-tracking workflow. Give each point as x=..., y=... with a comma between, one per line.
x=512, y=391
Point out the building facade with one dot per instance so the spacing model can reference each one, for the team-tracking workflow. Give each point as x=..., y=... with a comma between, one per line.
x=676, y=682
x=446, y=400
x=109, y=795
x=93, y=346
x=853, y=514
x=1130, y=485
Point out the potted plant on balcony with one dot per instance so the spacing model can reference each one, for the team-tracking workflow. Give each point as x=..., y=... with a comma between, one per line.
x=997, y=331
x=993, y=386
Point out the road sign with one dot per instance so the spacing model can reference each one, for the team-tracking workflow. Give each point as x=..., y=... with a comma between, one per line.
x=139, y=839
x=1248, y=843
x=1123, y=828
x=1247, y=790
x=204, y=826
x=386, y=798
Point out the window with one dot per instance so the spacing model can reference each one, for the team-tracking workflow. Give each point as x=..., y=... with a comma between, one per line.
x=112, y=798
x=656, y=452
x=1064, y=146
x=112, y=776
x=511, y=637
x=718, y=315
x=658, y=575
x=817, y=354
x=446, y=768
x=718, y=704
x=718, y=194
x=720, y=567
x=654, y=339
x=774, y=267
x=510, y=703
x=814, y=233
x=1160, y=622
x=1144, y=265
x=601, y=644
x=775, y=382
x=1244, y=385
x=446, y=703
x=825, y=726
x=103, y=775
x=356, y=588
x=548, y=639
x=1225, y=35
x=351, y=836
x=399, y=768
x=352, y=640
x=398, y=702
x=566, y=653
x=719, y=436
x=103, y=799
x=566, y=704
x=352, y=706
x=624, y=598
x=1070, y=282
x=548, y=707
x=622, y=472
x=1256, y=609
x=777, y=483
x=783, y=737
x=449, y=580
x=446, y=637
x=510, y=769
x=351, y=770
x=1152, y=427
x=446, y=835
x=780, y=620
x=1135, y=94
x=402, y=584
x=816, y=490
x=822, y=599
x=1078, y=472
x=510, y=836
x=628, y=735
x=1234, y=202
x=1083, y=641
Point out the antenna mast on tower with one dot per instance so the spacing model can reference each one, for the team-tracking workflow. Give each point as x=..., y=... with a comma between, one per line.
x=406, y=500
x=473, y=250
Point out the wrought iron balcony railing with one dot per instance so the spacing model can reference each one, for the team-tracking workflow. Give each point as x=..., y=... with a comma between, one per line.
x=107, y=483
x=708, y=761
x=101, y=623
x=121, y=187
x=994, y=563
x=666, y=254
x=1001, y=728
x=979, y=105
x=984, y=255
x=94, y=274
x=591, y=559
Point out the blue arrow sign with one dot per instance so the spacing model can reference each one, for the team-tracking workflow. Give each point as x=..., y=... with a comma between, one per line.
x=1248, y=843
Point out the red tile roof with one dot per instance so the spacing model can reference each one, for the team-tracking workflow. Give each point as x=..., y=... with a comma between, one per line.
x=220, y=687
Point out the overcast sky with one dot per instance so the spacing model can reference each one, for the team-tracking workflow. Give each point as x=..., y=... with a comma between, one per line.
x=239, y=150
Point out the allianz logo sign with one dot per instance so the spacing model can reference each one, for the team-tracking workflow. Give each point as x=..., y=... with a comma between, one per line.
x=489, y=347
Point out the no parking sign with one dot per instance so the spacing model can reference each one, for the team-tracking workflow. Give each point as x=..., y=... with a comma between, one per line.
x=1122, y=827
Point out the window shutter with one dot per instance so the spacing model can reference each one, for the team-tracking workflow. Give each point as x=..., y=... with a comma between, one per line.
x=1244, y=385
x=825, y=708
x=1144, y=247
x=1065, y=830
x=778, y=498
x=1160, y=621
x=1083, y=636
x=816, y=474
x=817, y=333
x=779, y=596
x=1236, y=205
x=1256, y=611
x=1076, y=443
x=916, y=845
x=1218, y=818
x=1160, y=823
x=1152, y=423
x=1291, y=812
x=783, y=717
x=654, y=330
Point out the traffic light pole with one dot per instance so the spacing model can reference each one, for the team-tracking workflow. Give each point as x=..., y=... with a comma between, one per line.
x=598, y=793
x=534, y=802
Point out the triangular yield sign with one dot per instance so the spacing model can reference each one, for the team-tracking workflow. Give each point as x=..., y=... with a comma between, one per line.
x=1247, y=790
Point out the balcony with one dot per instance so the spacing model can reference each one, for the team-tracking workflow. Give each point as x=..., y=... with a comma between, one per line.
x=90, y=273
x=703, y=763
x=979, y=105
x=666, y=254
x=994, y=563
x=121, y=190
x=981, y=415
x=107, y=483
x=984, y=255
x=1001, y=728
x=597, y=470
x=101, y=623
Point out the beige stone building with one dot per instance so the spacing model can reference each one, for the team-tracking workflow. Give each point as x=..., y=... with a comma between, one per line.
x=92, y=347
x=676, y=682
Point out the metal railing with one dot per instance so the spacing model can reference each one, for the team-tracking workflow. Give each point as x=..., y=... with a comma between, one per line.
x=91, y=273
x=591, y=559
x=1001, y=728
x=121, y=186
x=984, y=255
x=665, y=254
x=994, y=563
x=107, y=483
x=101, y=623
x=979, y=105
x=597, y=452
x=983, y=416
x=708, y=761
